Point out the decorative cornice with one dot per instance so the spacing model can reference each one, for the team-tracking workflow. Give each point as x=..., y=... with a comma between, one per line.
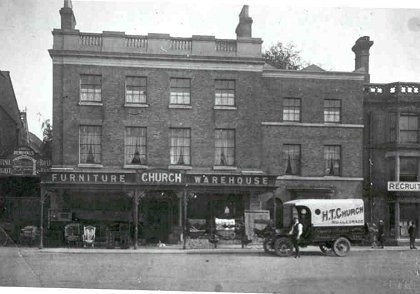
x=326, y=178
x=327, y=75
x=158, y=63
x=316, y=125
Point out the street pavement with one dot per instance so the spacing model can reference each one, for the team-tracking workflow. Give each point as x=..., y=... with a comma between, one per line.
x=229, y=269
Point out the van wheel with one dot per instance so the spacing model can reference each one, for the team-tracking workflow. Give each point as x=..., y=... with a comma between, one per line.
x=325, y=249
x=341, y=246
x=283, y=247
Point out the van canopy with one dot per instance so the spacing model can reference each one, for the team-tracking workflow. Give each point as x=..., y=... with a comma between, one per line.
x=331, y=212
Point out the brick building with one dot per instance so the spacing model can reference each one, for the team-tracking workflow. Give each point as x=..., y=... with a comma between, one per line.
x=170, y=134
x=392, y=154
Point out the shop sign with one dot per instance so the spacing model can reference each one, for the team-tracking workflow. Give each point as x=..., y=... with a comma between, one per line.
x=86, y=177
x=404, y=186
x=161, y=177
x=239, y=180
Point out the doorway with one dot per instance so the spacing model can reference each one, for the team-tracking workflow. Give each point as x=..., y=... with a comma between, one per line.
x=158, y=213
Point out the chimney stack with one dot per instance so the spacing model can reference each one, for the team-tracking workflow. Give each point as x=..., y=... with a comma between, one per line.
x=244, y=28
x=68, y=21
x=361, y=50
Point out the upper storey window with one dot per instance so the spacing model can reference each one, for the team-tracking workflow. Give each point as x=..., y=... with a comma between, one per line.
x=225, y=92
x=409, y=128
x=90, y=88
x=180, y=91
x=135, y=90
x=332, y=111
x=291, y=109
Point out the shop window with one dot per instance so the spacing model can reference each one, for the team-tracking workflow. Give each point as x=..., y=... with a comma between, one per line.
x=180, y=91
x=90, y=88
x=291, y=158
x=408, y=124
x=135, y=146
x=332, y=157
x=332, y=111
x=90, y=144
x=180, y=146
x=408, y=169
x=135, y=90
x=225, y=92
x=224, y=147
x=291, y=109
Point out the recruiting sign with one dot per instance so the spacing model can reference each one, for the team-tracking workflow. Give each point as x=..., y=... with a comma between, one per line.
x=404, y=186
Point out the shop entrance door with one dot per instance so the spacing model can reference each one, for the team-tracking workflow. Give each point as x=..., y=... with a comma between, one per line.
x=157, y=220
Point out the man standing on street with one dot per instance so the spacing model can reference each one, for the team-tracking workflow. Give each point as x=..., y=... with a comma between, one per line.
x=412, y=232
x=296, y=232
x=381, y=233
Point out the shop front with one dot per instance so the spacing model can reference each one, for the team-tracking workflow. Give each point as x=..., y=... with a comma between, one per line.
x=147, y=207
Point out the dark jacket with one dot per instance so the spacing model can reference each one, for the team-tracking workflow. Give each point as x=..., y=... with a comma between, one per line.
x=412, y=231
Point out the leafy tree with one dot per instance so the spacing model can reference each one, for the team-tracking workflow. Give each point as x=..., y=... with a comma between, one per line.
x=284, y=56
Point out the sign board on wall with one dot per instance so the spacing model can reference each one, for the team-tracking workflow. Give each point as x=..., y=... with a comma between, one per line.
x=404, y=186
x=23, y=161
x=158, y=177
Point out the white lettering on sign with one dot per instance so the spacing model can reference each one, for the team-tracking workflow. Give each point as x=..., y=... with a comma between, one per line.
x=161, y=177
x=230, y=180
x=404, y=186
x=337, y=213
x=87, y=178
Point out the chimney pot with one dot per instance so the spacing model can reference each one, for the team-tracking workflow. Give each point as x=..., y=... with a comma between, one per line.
x=244, y=28
x=361, y=51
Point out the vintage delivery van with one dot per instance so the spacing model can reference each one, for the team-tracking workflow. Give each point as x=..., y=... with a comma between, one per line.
x=331, y=224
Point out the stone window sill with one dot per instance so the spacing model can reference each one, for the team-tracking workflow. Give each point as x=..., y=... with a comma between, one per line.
x=88, y=103
x=220, y=167
x=136, y=105
x=135, y=166
x=223, y=107
x=179, y=106
x=175, y=166
x=90, y=165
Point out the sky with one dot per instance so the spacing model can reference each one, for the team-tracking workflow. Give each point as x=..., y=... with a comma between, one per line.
x=323, y=32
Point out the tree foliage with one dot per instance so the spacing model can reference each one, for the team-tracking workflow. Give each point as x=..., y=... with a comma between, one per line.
x=283, y=56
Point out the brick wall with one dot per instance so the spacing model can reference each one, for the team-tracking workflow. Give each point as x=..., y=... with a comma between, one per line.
x=158, y=118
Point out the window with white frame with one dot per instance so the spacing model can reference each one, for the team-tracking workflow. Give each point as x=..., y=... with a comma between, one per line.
x=135, y=146
x=291, y=156
x=135, y=90
x=180, y=91
x=291, y=109
x=332, y=110
x=332, y=157
x=180, y=146
x=224, y=147
x=90, y=141
x=225, y=92
x=90, y=88
x=409, y=128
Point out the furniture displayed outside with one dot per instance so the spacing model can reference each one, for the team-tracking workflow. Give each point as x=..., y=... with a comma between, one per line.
x=72, y=234
x=89, y=236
